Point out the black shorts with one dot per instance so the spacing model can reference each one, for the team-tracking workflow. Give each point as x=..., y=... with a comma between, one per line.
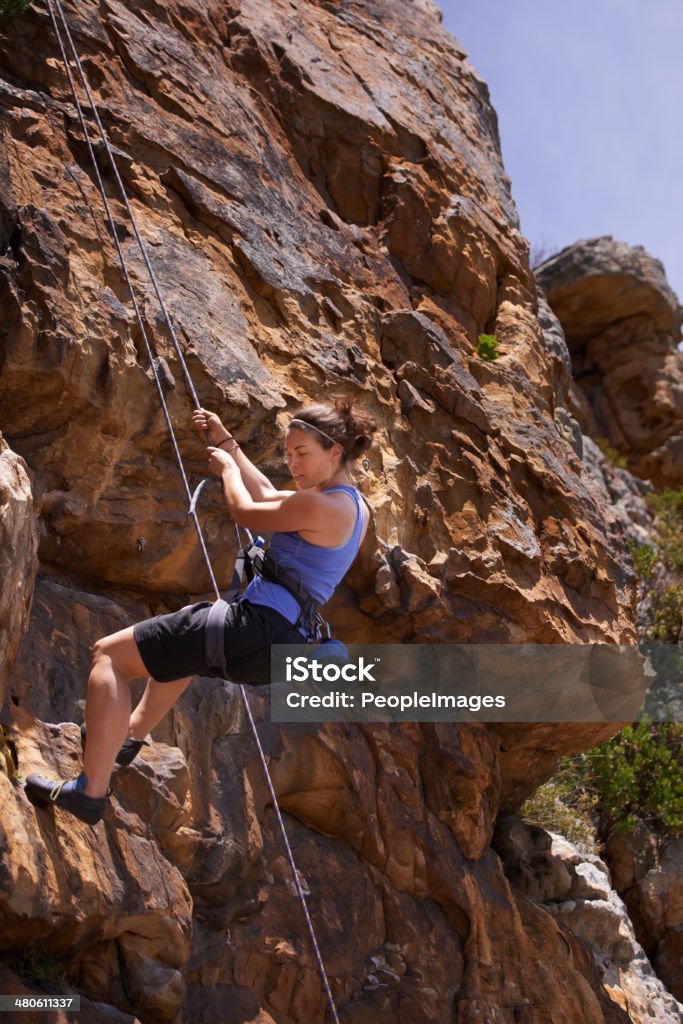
x=174, y=646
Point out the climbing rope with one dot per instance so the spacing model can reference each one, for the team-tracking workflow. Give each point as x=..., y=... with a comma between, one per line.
x=56, y=6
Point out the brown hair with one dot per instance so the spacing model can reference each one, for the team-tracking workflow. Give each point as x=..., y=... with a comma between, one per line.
x=339, y=423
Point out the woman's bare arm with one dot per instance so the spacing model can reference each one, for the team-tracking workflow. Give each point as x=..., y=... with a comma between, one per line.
x=259, y=486
x=288, y=510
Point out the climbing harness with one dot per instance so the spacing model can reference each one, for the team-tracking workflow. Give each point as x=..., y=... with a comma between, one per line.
x=264, y=562
x=56, y=6
x=257, y=559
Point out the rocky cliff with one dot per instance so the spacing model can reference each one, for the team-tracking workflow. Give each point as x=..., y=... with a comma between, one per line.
x=622, y=323
x=321, y=189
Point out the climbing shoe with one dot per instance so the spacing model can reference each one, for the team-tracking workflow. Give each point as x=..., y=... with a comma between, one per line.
x=130, y=748
x=69, y=794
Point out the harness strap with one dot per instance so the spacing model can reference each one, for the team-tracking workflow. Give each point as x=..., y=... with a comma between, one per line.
x=243, y=567
x=214, y=643
x=250, y=560
x=265, y=563
x=237, y=573
x=256, y=559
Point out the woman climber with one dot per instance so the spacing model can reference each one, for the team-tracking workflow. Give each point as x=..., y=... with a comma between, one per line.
x=318, y=532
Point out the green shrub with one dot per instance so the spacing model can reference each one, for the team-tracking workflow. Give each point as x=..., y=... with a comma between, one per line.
x=641, y=776
x=620, y=461
x=487, y=346
x=667, y=607
x=13, y=8
x=667, y=597
x=644, y=559
x=36, y=968
x=559, y=805
x=634, y=777
x=637, y=776
x=667, y=506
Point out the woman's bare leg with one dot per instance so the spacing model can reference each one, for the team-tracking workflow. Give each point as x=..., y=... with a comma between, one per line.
x=116, y=661
x=155, y=702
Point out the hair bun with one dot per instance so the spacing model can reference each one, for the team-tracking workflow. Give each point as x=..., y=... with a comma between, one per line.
x=339, y=422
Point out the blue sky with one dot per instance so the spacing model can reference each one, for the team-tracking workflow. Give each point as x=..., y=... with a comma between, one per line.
x=589, y=97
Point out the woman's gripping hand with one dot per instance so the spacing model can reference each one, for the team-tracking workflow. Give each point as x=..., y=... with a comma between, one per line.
x=204, y=421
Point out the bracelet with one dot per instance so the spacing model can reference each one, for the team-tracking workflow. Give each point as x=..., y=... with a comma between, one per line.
x=229, y=451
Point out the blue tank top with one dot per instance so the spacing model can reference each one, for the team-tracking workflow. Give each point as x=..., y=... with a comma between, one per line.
x=319, y=569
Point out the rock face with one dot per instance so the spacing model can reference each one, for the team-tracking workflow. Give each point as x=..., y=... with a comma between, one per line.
x=307, y=230
x=321, y=190
x=622, y=323
x=105, y=900
x=651, y=883
x=576, y=889
x=18, y=561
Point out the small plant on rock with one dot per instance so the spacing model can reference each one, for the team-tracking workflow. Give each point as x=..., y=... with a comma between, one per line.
x=487, y=346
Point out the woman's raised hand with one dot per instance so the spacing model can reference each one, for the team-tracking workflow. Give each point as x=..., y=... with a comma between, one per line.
x=203, y=421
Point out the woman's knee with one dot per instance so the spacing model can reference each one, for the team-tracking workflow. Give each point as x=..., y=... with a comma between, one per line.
x=106, y=647
x=99, y=648
x=122, y=651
